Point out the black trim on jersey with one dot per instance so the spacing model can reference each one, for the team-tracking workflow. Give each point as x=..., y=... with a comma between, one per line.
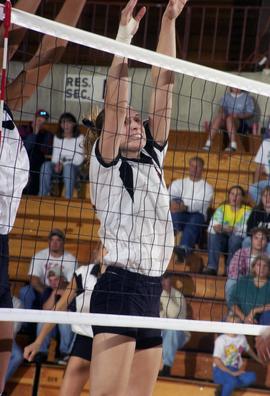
x=151, y=144
x=8, y=124
x=101, y=160
x=126, y=176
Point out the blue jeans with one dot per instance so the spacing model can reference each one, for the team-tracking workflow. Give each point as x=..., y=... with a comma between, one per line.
x=30, y=298
x=69, y=175
x=230, y=283
x=256, y=189
x=229, y=382
x=191, y=224
x=66, y=336
x=222, y=243
x=15, y=361
x=172, y=340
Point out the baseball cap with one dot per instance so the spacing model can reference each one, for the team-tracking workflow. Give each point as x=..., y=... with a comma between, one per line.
x=56, y=232
x=55, y=271
x=42, y=113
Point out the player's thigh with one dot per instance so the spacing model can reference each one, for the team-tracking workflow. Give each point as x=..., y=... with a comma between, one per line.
x=76, y=375
x=112, y=358
x=144, y=372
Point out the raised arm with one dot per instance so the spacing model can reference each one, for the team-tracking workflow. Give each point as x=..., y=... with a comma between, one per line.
x=116, y=96
x=162, y=79
x=31, y=350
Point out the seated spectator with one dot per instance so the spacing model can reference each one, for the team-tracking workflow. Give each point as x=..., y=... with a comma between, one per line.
x=240, y=264
x=250, y=297
x=190, y=200
x=262, y=172
x=259, y=217
x=228, y=370
x=49, y=298
x=227, y=228
x=38, y=143
x=172, y=305
x=16, y=357
x=67, y=156
x=236, y=110
x=47, y=259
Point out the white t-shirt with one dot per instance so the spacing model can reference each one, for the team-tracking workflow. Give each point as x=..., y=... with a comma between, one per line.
x=173, y=304
x=68, y=150
x=43, y=262
x=263, y=155
x=85, y=283
x=197, y=196
x=229, y=349
x=132, y=204
x=14, y=172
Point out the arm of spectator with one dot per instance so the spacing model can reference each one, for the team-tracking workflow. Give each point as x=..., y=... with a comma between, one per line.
x=235, y=265
x=79, y=154
x=56, y=152
x=50, y=303
x=177, y=206
x=218, y=362
x=237, y=311
x=254, y=356
x=207, y=199
x=37, y=284
x=31, y=350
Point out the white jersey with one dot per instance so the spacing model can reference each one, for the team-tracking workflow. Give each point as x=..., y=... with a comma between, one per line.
x=132, y=203
x=14, y=172
x=85, y=284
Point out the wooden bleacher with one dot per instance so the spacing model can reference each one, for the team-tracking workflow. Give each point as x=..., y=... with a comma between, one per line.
x=204, y=294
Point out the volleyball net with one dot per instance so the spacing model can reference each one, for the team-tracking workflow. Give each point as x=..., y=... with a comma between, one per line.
x=37, y=80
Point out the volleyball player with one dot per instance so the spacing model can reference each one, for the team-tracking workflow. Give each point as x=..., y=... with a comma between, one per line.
x=77, y=371
x=132, y=204
x=14, y=171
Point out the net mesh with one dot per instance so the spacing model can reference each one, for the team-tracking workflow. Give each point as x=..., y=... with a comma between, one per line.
x=41, y=83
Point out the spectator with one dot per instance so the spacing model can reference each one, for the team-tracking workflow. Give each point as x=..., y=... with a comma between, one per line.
x=16, y=358
x=250, y=297
x=236, y=110
x=68, y=155
x=38, y=143
x=228, y=370
x=240, y=264
x=50, y=297
x=190, y=200
x=172, y=305
x=47, y=259
x=262, y=172
x=227, y=228
x=259, y=217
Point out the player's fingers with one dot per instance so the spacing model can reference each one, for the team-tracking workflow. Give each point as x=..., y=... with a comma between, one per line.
x=140, y=14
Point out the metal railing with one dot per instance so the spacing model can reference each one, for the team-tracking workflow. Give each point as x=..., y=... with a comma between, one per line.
x=225, y=37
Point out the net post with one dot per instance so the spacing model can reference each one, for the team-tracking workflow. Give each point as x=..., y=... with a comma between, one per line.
x=7, y=23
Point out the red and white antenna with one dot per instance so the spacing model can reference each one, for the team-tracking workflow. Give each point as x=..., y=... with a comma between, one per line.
x=5, y=15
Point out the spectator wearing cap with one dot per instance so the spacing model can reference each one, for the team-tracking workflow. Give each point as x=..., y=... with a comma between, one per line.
x=67, y=156
x=50, y=259
x=57, y=284
x=38, y=143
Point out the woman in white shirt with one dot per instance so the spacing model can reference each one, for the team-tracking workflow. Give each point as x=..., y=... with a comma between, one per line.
x=67, y=156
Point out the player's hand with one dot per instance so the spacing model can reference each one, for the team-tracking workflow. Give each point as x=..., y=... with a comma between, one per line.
x=263, y=346
x=127, y=16
x=174, y=8
x=30, y=351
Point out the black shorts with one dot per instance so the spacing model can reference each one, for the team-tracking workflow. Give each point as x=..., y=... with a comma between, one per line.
x=5, y=295
x=82, y=347
x=122, y=292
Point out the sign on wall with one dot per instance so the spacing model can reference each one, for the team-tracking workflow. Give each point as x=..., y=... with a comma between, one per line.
x=84, y=87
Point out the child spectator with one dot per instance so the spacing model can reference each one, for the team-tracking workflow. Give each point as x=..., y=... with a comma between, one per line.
x=227, y=228
x=240, y=264
x=67, y=156
x=228, y=370
x=49, y=299
x=236, y=110
x=259, y=217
